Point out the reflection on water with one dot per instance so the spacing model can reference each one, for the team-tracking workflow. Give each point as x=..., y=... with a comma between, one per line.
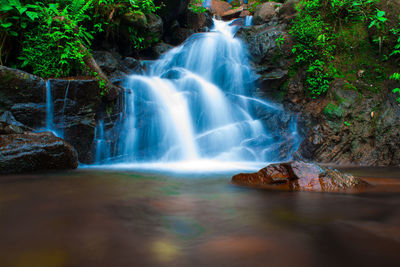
x=110, y=218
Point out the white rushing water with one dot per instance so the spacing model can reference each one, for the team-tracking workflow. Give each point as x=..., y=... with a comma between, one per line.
x=195, y=108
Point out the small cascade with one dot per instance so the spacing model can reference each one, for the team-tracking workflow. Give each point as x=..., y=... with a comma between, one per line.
x=248, y=21
x=64, y=107
x=50, y=118
x=197, y=103
x=102, y=145
x=49, y=108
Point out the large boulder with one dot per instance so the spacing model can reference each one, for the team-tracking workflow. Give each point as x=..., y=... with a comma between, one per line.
x=300, y=176
x=265, y=12
x=219, y=7
x=30, y=152
x=20, y=87
x=171, y=9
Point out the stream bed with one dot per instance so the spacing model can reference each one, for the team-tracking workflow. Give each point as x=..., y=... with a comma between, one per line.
x=122, y=218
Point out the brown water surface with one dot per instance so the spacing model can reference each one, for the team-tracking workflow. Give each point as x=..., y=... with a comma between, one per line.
x=110, y=218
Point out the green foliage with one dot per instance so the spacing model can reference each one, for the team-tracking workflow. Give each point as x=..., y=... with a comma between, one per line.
x=395, y=53
x=54, y=36
x=378, y=21
x=197, y=6
x=279, y=41
x=332, y=111
x=54, y=46
x=315, y=34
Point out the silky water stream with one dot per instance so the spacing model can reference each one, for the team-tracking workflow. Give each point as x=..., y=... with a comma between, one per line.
x=195, y=109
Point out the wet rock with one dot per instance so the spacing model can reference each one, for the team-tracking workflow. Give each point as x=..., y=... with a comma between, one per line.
x=300, y=176
x=131, y=64
x=178, y=34
x=161, y=48
x=6, y=128
x=110, y=64
x=218, y=7
x=137, y=19
x=171, y=9
x=30, y=114
x=20, y=87
x=244, y=13
x=269, y=59
x=265, y=12
x=232, y=14
x=197, y=21
x=7, y=117
x=75, y=113
x=35, y=152
x=261, y=41
x=154, y=25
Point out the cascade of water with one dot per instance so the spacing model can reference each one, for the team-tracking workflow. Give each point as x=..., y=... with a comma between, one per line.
x=49, y=108
x=50, y=124
x=197, y=103
x=102, y=145
x=248, y=21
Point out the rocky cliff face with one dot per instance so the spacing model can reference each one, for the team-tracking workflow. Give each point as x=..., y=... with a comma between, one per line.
x=343, y=127
x=75, y=105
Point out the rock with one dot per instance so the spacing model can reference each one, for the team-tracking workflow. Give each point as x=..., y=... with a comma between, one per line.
x=232, y=14
x=288, y=10
x=20, y=87
x=261, y=41
x=137, y=19
x=154, y=25
x=178, y=34
x=7, y=117
x=196, y=21
x=341, y=130
x=131, y=64
x=244, y=13
x=300, y=176
x=35, y=152
x=219, y=7
x=270, y=60
x=111, y=65
x=171, y=10
x=75, y=113
x=6, y=128
x=30, y=114
x=266, y=12
x=161, y=48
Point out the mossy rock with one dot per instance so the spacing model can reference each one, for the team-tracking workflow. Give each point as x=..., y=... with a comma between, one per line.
x=332, y=111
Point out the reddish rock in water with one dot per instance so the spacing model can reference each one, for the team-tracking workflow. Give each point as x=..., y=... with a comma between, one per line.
x=35, y=151
x=299, y=176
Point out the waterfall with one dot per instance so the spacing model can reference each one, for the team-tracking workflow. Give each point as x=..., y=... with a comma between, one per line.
x=197, y=103
x=102, y=145
x=49, y=108
x=50, y=120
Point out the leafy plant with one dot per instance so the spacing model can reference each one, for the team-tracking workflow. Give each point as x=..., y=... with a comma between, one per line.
x=378, y=21
x=197, y=6
x=279, y=41
x=396, y=52
x=314, y=32
x=54, y=36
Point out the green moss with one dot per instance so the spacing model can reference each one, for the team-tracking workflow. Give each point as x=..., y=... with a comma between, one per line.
x=332, y=111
